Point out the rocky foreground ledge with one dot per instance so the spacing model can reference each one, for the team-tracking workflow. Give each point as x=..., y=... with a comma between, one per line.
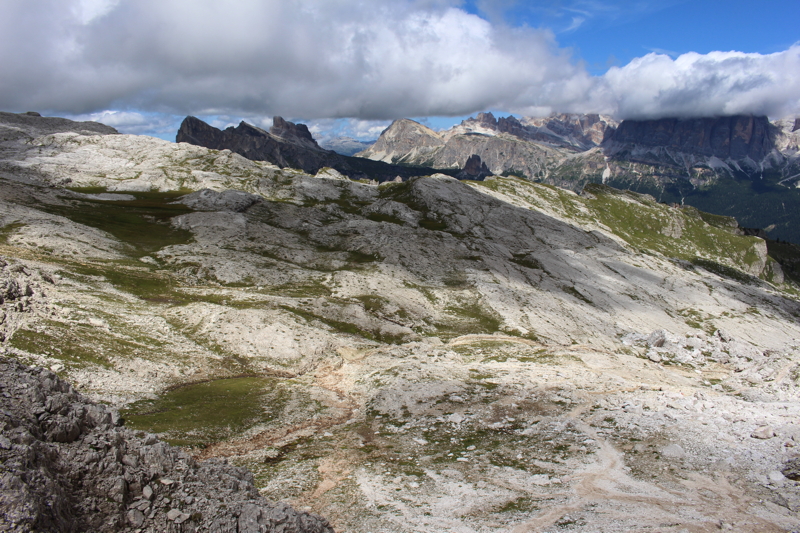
x=66, y=464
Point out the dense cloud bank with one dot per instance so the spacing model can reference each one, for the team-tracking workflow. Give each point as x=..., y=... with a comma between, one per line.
x=346, y=58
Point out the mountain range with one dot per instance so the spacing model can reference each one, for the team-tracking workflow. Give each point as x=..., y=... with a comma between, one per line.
x=427, y=354
x=289, y=145
x=742, y=166
x=745, y=167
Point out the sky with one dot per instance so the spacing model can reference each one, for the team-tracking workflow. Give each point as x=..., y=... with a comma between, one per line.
x=350, y=67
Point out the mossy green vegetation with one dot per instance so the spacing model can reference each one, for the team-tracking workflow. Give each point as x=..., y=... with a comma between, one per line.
x=77, y=345
x=142, y=223
x=146, y=283
x=648, y=226
x=202, y=413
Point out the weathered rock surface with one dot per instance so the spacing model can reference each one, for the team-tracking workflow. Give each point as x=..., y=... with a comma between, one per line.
x=68, y=465
x=14, y=126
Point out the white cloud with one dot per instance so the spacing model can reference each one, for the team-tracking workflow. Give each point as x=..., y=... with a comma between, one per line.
x=157, y=124
x=362, y=130
x=369, y=61
x=308, y=58
x=718, y=83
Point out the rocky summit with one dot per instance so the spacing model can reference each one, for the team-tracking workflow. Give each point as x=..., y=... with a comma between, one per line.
x=430, y=354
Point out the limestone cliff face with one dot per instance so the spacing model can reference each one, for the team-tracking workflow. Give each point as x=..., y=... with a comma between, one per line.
x=404, y=141
x=579, y=131
x=569, y=131
x=734, y=138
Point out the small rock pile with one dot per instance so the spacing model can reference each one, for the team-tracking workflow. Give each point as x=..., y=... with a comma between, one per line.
x=19, y=287
x=67, y=464
x=664, y=347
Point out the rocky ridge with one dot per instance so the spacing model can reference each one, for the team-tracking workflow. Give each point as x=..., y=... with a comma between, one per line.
x=432, y=355
x=286, y=145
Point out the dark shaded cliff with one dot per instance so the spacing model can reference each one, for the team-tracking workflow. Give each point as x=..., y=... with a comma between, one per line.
x=735, y=137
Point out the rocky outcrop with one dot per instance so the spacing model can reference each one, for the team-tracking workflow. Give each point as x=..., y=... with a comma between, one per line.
x=292, y=146
x=293, y=133
x=474, y=169
x=405, y=141
x=67, y=464
x=15, y=126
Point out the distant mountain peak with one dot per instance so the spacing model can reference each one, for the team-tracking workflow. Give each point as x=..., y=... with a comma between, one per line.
x=291, y=132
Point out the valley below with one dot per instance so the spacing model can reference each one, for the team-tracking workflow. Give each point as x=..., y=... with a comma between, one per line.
x=422, y=355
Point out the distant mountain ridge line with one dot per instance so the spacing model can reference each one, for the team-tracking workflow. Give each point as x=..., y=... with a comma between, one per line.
x=741, y=166
x=733, y=137
x=288, y=145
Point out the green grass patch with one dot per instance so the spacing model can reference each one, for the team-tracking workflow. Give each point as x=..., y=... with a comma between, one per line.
x=383, y=217
x=77, y=345
x=574, y=292
x=522, y=504
x=723, y=270
x=153, y=286
x=202, y=413
x=7, y=230
x=142, y=223
x=469, y=317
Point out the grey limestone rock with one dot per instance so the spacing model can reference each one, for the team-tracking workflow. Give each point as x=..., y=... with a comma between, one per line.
x=230, y=200
x=792, y=469
x=67, y=464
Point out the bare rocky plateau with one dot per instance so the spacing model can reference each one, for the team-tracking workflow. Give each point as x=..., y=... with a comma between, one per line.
x=433, y=355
